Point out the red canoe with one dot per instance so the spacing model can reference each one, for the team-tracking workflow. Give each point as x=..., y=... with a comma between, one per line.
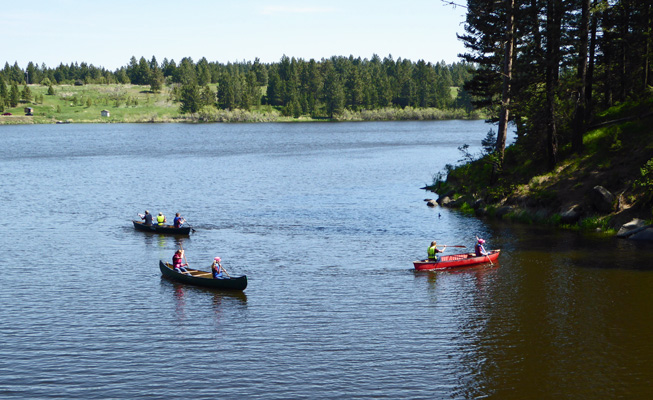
x=457, y=260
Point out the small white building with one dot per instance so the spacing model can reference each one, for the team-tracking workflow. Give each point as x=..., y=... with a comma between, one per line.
x=105, y=113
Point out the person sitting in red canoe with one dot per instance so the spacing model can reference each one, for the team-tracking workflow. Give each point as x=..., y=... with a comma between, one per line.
x=479, y=249
x=178, y=262
x=178, y=221
x=433, y=250
x=217, y=269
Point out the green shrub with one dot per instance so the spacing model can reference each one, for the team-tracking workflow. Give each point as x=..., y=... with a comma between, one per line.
x=467, y=209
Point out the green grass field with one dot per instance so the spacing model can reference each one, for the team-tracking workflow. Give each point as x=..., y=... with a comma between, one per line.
x=125, y=103
x=134, y=103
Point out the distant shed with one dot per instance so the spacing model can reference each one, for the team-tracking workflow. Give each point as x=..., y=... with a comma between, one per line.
x=105, y=113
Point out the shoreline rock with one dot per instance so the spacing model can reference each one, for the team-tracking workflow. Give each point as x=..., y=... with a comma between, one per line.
x=636, y=229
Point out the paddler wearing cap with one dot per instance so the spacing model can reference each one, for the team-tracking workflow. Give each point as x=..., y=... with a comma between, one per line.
x=480, y=250
x=217, y=269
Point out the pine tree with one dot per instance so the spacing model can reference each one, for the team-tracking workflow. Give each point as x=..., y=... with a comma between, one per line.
x=156, y=80
x=226, y=95
x=26, y=94
x=207, y=96
x=334, y=95
x=190, y=98
x=4, y=93
x=14, y=96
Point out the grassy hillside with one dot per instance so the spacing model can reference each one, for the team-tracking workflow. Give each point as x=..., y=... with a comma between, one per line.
x=126, y=103
x=618, y=155
x=134, y=103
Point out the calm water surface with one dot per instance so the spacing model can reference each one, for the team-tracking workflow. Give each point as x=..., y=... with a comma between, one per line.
x=325, y=220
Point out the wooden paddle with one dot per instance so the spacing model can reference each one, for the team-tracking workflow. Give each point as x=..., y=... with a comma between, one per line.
x=182, y=248
x=223, y=270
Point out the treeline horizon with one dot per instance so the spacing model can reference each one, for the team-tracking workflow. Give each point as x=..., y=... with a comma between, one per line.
x=295, y=86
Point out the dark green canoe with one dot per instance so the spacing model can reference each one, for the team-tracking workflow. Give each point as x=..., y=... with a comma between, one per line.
x=203, y=278
x=167, y=229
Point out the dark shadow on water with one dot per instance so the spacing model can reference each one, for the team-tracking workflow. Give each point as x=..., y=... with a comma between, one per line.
x=554, y=247
x=181, y=290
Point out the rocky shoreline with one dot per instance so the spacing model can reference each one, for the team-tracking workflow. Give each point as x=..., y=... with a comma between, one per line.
x=600, y=202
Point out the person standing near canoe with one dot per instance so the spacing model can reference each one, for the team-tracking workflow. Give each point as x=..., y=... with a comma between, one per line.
x=147, y=217
x=178, y=262
x=161, y=219
x=178, y=221
x=433, y=250
x=479, y=249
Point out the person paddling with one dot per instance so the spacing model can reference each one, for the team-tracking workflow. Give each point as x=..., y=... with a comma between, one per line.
x=217, y=269
x=147, y=217
x=433, y=250
x=178, y=221
x=178, y=262
x=479, y=249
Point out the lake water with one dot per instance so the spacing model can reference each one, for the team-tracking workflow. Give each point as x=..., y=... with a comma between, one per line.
x=325, y=221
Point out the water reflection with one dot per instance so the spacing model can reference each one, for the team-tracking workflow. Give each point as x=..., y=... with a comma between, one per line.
x=222, y=299
x=457, y=281
x=218, y=300
x=180, y=301
x=179, y=241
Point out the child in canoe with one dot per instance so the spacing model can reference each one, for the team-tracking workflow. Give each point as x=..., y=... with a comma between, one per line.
x=217, y=269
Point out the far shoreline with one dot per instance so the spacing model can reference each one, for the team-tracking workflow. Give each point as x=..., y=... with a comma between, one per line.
x=127, y=103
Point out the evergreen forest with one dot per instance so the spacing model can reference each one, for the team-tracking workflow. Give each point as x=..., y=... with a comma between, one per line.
x=575, y=78
x=552, y=66
x=296, y=87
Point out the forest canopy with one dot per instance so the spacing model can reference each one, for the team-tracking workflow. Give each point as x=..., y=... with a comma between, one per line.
x=297, y=87
x=550, y=66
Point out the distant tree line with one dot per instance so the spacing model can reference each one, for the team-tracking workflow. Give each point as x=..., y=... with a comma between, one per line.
x=295, y=86
x=551, y=65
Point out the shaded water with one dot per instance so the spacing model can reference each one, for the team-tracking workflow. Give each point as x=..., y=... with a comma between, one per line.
x=325, y=220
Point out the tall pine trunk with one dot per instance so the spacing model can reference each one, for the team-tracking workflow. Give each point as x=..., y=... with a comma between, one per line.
x=504, y=116
x=553, y=21
x=589, y=83
x=649, y=39
x=579, y=126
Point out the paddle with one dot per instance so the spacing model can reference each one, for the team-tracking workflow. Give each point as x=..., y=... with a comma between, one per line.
x=182, y=248
x=191, y=228
x=443, y=250
x=223, y=270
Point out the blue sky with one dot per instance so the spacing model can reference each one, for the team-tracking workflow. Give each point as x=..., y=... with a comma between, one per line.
x=109, y=33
